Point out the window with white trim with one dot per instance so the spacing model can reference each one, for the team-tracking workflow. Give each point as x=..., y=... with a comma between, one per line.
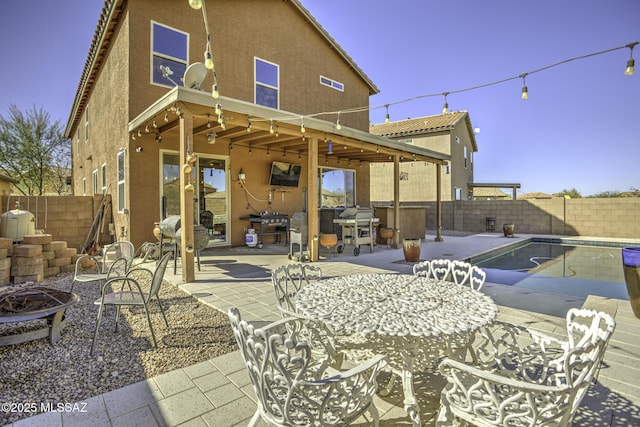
x=169, y=50
x=267, y=83
x=78, y=142
x=84, y=186
x=95, y=181
x=104, y=178
x=465, y=156
x=121, y=182
x=332, y=83
x=86, y=125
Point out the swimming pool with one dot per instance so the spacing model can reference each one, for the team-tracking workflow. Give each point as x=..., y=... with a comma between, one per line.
x=549, y=265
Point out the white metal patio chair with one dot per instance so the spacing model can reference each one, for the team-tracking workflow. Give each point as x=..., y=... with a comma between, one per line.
x=460, y=272
x=134, y=296
x=294, y=389
x=422, y=269
x=526, y=378
x=477, y=278
x=90, y=268
x=440, y=269
x=288, y=279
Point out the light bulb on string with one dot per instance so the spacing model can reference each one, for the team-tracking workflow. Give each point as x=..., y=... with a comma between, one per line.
x=155, y=125
x=338, y=125
x=214, y=91
x=146, y=128
x=248, y=125
x=525, y=90
x=139, y=134
x=302, y=128
x=195, y=4
x=386, y=117
x=211, y=137
x=631, y=62
x=445, y=107
x=166, y=117
x=208, y=59
x=272, y=130
x=218, y=109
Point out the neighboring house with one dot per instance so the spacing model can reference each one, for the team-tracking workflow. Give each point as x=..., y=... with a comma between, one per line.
x=158, y=147
x=536, y=195
x=487, y=193
x=450, y=134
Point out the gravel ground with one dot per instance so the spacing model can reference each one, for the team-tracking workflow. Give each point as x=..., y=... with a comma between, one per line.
x=65, y=372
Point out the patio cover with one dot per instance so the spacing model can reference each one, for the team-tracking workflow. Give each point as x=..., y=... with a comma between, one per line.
x=197, y=109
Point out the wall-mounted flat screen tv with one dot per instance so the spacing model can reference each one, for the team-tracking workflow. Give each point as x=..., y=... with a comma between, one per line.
x=284, y=174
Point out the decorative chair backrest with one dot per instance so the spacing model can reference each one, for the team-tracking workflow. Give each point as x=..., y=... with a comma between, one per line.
x=285, y=295
x=460, y=272
x=289, y=279
x=118, y=268
x=422, y=269
x=477, y=277
x=440, y=269
x=158, y=275
x=274, y=363
x=116, y=251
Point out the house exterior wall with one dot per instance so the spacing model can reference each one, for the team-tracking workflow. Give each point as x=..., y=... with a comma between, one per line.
x=241, y=29
x=418, y=179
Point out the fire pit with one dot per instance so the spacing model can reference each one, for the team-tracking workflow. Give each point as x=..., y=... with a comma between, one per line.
x=24, y=304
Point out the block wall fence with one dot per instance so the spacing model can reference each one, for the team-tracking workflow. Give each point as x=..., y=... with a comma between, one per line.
x=596, y=217
x=69, y=218
x=66, y=218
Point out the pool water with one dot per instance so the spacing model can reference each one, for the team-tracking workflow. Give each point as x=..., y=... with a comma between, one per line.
x=576, y=270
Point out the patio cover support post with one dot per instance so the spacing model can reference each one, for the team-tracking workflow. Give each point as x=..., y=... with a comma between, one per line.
x=438, y=202
x=312, y=200
x=396, y=202
x=186, y=200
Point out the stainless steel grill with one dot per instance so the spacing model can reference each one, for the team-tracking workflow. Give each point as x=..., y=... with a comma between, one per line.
x=298, y=234
x=357, y=228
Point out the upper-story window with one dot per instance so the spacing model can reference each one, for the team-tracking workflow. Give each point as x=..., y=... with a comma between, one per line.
x=332, y=83
x=121, y=182
x=86, y=124
x=169, y=50
x=267, y=83
x=104, y=178
x=465, y=156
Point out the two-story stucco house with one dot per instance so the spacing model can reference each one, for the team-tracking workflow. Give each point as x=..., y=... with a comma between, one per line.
x=289, y=101
x=450, y=134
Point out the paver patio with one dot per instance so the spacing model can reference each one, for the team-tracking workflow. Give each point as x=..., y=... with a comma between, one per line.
x=218, y=392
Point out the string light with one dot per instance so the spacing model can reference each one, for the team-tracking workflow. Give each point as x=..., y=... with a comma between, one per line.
x=166, y=117
x=272, y=130
x=139, y=134
x=146, y=128
x=302, y=128
x=631, y=62
x=525, y=90
x=211, y=137
x=338, y=125
x=386, y=118
x=445, y=107
x=248, y=125
x=208, y=121
x=155, y=125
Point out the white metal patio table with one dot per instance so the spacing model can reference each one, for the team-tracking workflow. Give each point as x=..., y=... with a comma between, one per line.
x=404, y=309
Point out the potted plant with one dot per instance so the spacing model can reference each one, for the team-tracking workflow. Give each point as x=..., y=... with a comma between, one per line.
x=411, y=248
x=631, y=266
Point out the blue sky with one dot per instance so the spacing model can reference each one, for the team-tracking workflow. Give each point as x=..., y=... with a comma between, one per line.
x=580, y=127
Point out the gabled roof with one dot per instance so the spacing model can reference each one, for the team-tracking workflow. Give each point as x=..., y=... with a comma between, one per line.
x=425, y=125
x=102, y=39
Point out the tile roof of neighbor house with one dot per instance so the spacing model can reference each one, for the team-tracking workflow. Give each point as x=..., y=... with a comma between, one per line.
x=425, y=125
x=102, y=39
x=490, y=192
x=536, y=195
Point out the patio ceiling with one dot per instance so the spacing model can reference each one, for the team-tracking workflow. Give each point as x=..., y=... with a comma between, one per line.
x=348, y=144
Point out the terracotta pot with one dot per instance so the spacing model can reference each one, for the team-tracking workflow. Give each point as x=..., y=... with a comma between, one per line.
x=508, y=230
x=328, y=240
x=411, y=248
x=386, y=233
x=631, y=266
